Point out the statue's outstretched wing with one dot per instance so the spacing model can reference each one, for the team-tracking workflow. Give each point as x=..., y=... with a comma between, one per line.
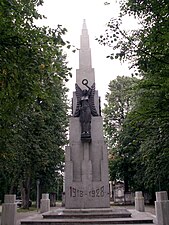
x=91, y=101
x=78, y=95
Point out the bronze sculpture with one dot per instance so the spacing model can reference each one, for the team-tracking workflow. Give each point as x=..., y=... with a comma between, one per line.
x=85, y=109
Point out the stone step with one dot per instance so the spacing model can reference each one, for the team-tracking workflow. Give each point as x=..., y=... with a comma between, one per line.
x=87, y=214
x=81, y=216
x=93, y=210
x=86, y=222
x=93, y=221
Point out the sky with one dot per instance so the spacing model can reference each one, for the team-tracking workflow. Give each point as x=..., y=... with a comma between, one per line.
x=70, y=14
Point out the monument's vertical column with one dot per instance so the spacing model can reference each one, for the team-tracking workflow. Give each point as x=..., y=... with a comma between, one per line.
x=85, y=62
x=86, y=164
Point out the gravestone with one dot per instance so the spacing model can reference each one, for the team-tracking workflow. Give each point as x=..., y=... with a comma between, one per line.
x=86, y=161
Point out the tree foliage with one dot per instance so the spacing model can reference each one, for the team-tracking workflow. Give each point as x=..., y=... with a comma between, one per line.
x=146, y=49
x=33, y=72
x=119, y=103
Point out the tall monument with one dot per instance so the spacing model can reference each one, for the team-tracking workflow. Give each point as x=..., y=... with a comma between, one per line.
x=86, y=166
x=86, y=162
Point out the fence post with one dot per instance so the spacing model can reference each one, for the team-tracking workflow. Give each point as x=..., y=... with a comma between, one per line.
x=162, y=208
x=45, y=203
x=9, y=210
x=139, y=201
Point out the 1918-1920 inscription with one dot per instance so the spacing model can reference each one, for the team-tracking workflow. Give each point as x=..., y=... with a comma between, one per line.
x=99, y=192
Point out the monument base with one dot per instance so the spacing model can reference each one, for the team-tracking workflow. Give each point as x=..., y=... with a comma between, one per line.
x=93, y=216
x=88, y=213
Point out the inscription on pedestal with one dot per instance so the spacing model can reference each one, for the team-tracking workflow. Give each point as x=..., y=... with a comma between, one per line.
x=99, y=192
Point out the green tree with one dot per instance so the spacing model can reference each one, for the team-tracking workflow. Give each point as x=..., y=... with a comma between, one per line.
x=147, y=47
x=119, y=104
x=33, y=71
x=150, y=119
x=147, y=50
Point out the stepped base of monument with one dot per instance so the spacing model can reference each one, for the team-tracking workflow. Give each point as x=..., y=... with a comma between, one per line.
x=88, y=213
x=90, y=216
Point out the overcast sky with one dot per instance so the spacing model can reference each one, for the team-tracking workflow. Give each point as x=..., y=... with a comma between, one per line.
x=70, y=14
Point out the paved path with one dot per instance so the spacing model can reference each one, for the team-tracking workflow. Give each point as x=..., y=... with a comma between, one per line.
x=23, y=215
x=150, y=209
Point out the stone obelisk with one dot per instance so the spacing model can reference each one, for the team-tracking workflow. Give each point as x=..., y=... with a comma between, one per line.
x=86, y=162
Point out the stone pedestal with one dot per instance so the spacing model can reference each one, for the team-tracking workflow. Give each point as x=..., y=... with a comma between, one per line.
x=139, y=201
x=86, y=168
x=162, y=208
x=9, y=210
x=45, y=203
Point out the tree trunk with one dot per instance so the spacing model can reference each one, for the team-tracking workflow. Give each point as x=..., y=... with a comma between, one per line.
x=126, y=176
x=25, y=192
x=126, y=185
x=13, y=186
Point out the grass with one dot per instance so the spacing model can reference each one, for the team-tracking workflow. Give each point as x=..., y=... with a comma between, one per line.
x=19, y=210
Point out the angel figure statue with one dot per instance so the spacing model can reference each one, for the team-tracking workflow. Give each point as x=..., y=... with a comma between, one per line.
x=85, y=108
